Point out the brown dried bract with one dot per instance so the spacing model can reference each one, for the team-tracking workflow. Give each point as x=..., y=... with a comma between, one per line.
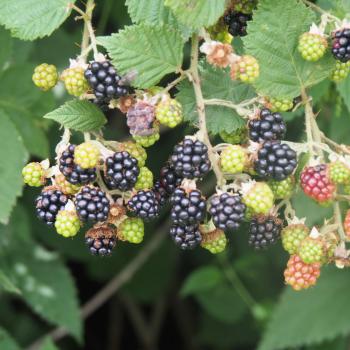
x=220, y=55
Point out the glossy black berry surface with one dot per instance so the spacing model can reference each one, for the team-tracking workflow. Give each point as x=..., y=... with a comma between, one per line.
x=160, y=193
x=92, y=204
x=121, y=171
x=73, y=172
x=186, y=237
x=187, y=208
x=144, y=204
x=264, y=231
x=190, y=159
x=237, y=23
x=104, y=81
x=275, y=160
x=227, y=211
x=169, y=179
x=341, y=45
x=101, y=246
x=48, y=204
x=269, y=126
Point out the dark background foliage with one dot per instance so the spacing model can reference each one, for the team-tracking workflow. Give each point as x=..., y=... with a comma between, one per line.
x=175, y=300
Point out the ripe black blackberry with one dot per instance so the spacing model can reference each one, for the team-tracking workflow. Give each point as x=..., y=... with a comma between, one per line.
x=105, y=82
x=101, y=240
x=190, y=159
x=169, y=179
x=275, y=160
x=227, y=211
x=186, y=237
x=49, y=203
x=269, y=126
x=73, y=173
x=144, y=204
x=237, y=23
x=341, y=45
x=187, y=208
x=264, y=231
x=92, y=204
x=161, y=194
x=121, y=171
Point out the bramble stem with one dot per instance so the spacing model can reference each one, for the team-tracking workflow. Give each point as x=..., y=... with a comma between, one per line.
x=202, y=123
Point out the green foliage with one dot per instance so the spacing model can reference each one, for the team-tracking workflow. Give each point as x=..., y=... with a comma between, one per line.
x=344, y=91
x=32, y=19
x=197, y=13
x=6, y=341
x=216, y=84
x=48, y=345
x=12, y=148
x=6, y=47
x=149, y=51
x=7, y=285
x=283, y=73
x=311, y=316
x=78, y=115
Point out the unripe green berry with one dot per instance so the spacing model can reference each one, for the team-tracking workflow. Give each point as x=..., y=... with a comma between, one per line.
x=258, y=199
x=67, y=223
x=214, y=241
x=238, y=136
x=45, y=76
x=245, y=6
x=245, y=69
x=74, y=81
x=135, y=151
x=340, y=71
x=339, y=173
x=312, y=46
x=169, y=112
x=86, y=155
x=65, y=186
x=312, y=250
x=292, y=236
x=147, y=141
x=144, y=180
x=233, y=159
x=280, y=104
x=282, y=189
x=131, y=230
x=34, y=175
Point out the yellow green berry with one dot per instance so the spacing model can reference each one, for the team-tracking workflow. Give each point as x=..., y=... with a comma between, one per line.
x=67, y=223
x=169, y=112
x=147, y=141
x=282, y=189
x=245, y=69
x=292, y=236
x=233, y=159
x=45, y=76
x=34, y=174
x=131, y=230
x=135, y=151
x=86, y=155
x=312, y=46
x=259, y=199
x=144, y=180
x=74, y=81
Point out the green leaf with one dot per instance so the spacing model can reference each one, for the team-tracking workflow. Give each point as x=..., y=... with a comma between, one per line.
x=32, y=19
x=283, y=72
x=197, y=13
x=78, y=115
x=11, y=149
x=45, y=284
x=7, y=285
x=216, y=84
x=312, y=316
x=6, y=47
x=344, y=91
x=152, y=52
x=223, y=303
x=6, y=341
x=48, y=344
x=202, y=279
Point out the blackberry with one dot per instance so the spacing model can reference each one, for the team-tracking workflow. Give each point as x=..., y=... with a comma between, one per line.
x=269, y=126
x=341, y=45
x=49, y=203
x=105, y=82
x=187, y=208
x=73, y=173
x=140, y=118
x=121, y=171
x=227, y=211
x=169, y=179
x=101, y=240
x=237, y=23
x=275, y=160
x=160, y=193
x=92, y=204
x=264, y=231
x=186, y=237
x=190, y=159
x=144, y=204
